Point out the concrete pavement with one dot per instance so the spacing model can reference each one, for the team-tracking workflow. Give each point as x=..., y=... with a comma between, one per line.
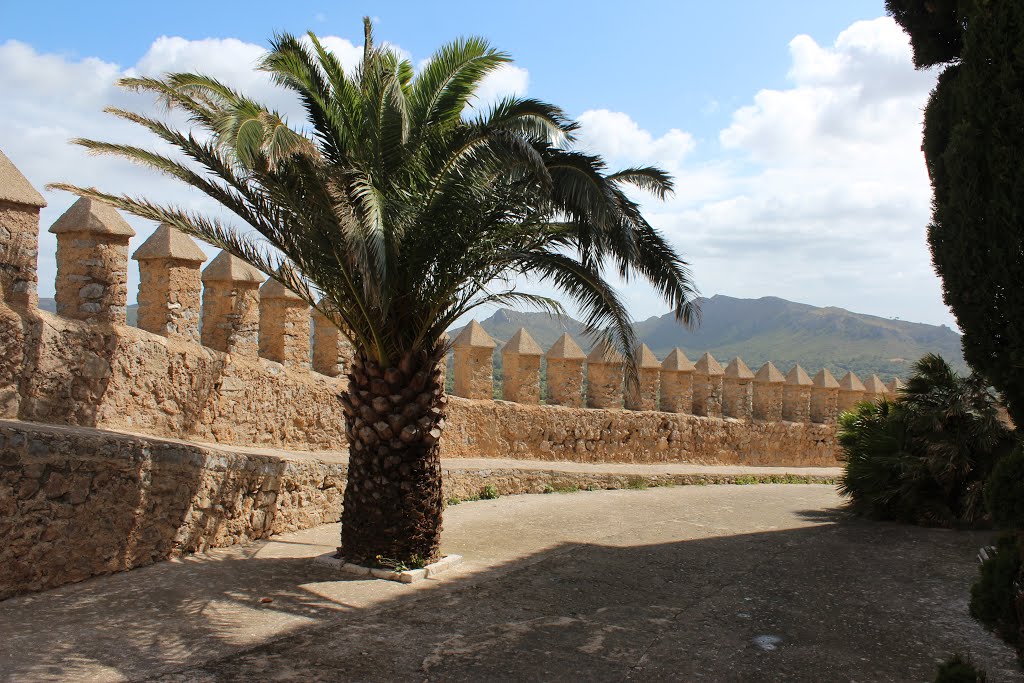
x=717, y=583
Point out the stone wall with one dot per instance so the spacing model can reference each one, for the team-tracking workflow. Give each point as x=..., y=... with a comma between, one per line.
x=76, y=503
x=120, y=377
x=499, y=429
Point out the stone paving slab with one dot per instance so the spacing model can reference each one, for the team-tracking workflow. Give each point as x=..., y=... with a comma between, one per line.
x=722, y=583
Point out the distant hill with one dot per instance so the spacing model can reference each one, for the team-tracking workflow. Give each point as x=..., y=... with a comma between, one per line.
x=770, y=328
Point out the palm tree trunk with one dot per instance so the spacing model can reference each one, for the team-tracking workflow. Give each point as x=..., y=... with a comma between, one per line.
x=393, y=499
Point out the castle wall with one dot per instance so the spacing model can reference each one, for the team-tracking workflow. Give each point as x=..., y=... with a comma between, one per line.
x=500, y=429
x=78, y=502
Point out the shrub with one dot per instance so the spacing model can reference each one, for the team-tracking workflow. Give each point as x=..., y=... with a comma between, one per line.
x=997, y=599
x=1004, y=492
x=489, y=492
x=959, y=669
x=924, y=458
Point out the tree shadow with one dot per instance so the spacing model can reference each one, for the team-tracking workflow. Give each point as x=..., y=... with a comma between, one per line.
x=831, y=601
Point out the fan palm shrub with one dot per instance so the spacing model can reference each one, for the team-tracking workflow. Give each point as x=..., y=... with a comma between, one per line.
x=394, y=209
x=925, y=457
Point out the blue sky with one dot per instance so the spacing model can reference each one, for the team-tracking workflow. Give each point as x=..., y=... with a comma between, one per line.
x=670, y=64
x=792, y=127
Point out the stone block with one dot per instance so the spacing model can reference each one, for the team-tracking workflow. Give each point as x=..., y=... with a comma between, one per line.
x=737, y=390
x=768, y=392
x=332, y=351
x=796, y=396
x=851, y=392
x=676, y=383
x=19, y=237
x=170, y=286
x=645, y=396
x=92, y=263
x=474, y=362
x=520, y=361
x=565, y=373
x=875, y=390
x=824, y=398
x=284, y=326
x=604, y=377
x=231, y=306
x=707, y=387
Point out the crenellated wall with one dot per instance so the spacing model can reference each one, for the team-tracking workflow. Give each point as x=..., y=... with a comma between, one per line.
x=248, y=375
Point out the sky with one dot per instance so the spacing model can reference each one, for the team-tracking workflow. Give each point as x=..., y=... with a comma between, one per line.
x=792, y=128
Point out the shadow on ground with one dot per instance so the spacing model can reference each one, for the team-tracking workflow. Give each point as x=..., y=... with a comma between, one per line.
x=838, y=600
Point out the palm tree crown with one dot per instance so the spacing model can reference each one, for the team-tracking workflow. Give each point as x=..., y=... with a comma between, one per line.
x=398, y=208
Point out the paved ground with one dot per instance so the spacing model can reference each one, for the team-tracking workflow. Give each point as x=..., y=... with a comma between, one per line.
x=716, y=583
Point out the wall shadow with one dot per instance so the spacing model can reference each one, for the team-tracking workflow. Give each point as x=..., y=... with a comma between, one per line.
x=839, y=600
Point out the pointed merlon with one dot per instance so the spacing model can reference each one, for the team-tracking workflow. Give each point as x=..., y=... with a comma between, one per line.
x=875, y=386
x=825, y=380
x=676, y=361
x=272, y=289
x=227, y=268
x=169, y=243
x=737, y=369
x=895, y=386
x=797, y=376
x=15, y=187
x=565, y=348
x=769, y=374
x=850, y=382
x=93, y=217
x=645, y=358
x=707, y=365
x=474, y=335
x=605, y=354
x=522, y=344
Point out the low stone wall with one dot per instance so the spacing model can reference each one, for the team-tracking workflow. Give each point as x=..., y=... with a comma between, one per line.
x=76, y=503
x=499, y=429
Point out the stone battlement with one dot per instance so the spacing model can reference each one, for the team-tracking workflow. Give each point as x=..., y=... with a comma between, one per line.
x=226, y=355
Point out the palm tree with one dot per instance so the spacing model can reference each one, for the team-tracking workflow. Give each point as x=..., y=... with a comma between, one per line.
x=396, y=210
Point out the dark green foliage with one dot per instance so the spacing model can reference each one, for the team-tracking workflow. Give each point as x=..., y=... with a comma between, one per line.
x=935, y=28
x=997, y=600
x=974, y=144
x=1004, y=492
x=924, y=458
x=959, y=669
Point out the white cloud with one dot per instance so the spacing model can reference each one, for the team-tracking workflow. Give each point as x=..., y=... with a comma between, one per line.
x=505, y=81
x=620, y=139
x=820, y=194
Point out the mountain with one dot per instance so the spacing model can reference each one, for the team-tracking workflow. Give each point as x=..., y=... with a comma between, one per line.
x=767, y=329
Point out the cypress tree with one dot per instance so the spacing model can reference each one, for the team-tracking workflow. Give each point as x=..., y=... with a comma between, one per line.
x=974, y=147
